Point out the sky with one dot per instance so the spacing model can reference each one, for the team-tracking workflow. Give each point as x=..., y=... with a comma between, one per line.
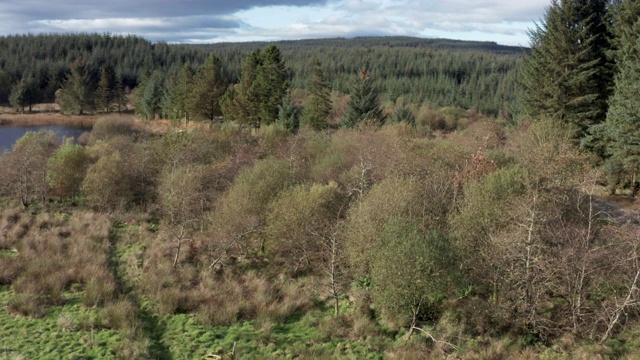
x=211, y=21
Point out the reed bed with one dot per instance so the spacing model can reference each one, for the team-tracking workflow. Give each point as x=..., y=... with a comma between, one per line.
x=48, y=119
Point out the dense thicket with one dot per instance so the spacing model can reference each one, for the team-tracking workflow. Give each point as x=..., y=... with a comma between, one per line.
x=491, y=232
x=441, y=72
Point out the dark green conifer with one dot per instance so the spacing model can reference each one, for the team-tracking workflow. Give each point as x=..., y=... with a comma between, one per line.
x=621, y=131
x=317, y=107
x=364, y=104
x=77, y=94
x=288, y=114
x=567, y=76
x=209, y=86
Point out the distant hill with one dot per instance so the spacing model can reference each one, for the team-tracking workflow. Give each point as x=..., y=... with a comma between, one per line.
x=375, y=41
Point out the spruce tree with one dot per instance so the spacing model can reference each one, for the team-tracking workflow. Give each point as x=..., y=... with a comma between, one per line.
x=263, y=85
x=25, y=93
x=318, y=105
x=271, y=84
x=241, y=102
x=567, y=76
x=364, y=105
x=182, y=92
x=106, y=93
x=288, y=114
x=209, y=86
x=622, y=127
x=77, y=94
x=149, y=96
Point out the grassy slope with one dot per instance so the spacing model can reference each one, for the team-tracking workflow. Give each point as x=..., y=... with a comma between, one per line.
x=179, y=335
x=74, y=332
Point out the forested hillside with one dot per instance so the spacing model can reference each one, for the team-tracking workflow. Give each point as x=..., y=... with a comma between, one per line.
x=439, y=72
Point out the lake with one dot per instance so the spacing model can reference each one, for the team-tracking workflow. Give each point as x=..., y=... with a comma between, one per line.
x=10, y=134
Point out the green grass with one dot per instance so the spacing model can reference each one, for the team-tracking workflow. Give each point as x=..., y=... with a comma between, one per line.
x=171, y=337
x=45, y=339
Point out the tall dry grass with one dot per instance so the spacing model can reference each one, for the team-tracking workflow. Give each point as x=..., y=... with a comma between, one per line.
x=54, y=252
x=48, y=119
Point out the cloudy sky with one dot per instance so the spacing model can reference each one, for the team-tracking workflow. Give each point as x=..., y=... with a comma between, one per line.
x=207, y=21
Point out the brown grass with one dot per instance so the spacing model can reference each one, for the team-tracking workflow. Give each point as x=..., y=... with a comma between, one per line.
x=47, y=119
x=54, y=252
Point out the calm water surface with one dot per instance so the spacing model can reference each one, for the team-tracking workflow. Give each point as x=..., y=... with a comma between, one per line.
x=10, y=134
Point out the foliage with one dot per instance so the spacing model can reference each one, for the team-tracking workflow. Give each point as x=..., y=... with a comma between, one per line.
x=25, y=93
x=110, y=92
x=364, y=103
x=567, y=75
x=208, y=88
x=103, y=186
x=263, y=85
x=77, y=94
x=410, y=271
x=149, y=95
x=25, y=170
x=620, y=131
x=288, y=114
x=66, y=170
x=317, y=107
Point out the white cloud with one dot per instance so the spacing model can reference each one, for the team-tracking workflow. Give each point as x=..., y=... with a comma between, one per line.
x=504, y=21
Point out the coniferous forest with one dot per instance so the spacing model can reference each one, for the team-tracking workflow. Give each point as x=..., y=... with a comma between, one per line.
x=377, y=197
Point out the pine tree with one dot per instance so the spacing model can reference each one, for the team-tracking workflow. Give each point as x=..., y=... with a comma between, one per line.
x=77, y=94
x=209, y=86
x=364, y=105
x=567, y=75
x=318, y=105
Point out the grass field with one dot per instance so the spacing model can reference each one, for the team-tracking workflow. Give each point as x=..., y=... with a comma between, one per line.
x=73, y=332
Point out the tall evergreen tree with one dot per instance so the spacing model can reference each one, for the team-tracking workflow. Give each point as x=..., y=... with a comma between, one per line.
x=364, y=104
x=209, y=86
x=106, y=93
x=77, y=94
x=288, y=114
x=263, y=85
x=149, y=96
x=318, y=105
x=241, y=101
x=25, y=93
x=182, y=90
x=567, y=75
x=271, y=84
x=621, y=131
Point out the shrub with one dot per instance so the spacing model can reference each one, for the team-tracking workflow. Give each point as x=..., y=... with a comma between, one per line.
x=121, y=315
x=112, y=125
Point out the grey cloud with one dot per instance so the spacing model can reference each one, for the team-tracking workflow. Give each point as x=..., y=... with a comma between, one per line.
x=171, y=20
x=92, y=9
x=218, y=20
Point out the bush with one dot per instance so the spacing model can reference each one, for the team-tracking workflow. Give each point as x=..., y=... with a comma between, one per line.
x=121, y=315
x=112, y=125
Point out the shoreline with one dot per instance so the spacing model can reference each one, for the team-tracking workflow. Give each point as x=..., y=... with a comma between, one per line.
x=48, y=119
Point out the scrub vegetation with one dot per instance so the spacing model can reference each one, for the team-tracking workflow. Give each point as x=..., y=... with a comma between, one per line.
x=214, y=215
